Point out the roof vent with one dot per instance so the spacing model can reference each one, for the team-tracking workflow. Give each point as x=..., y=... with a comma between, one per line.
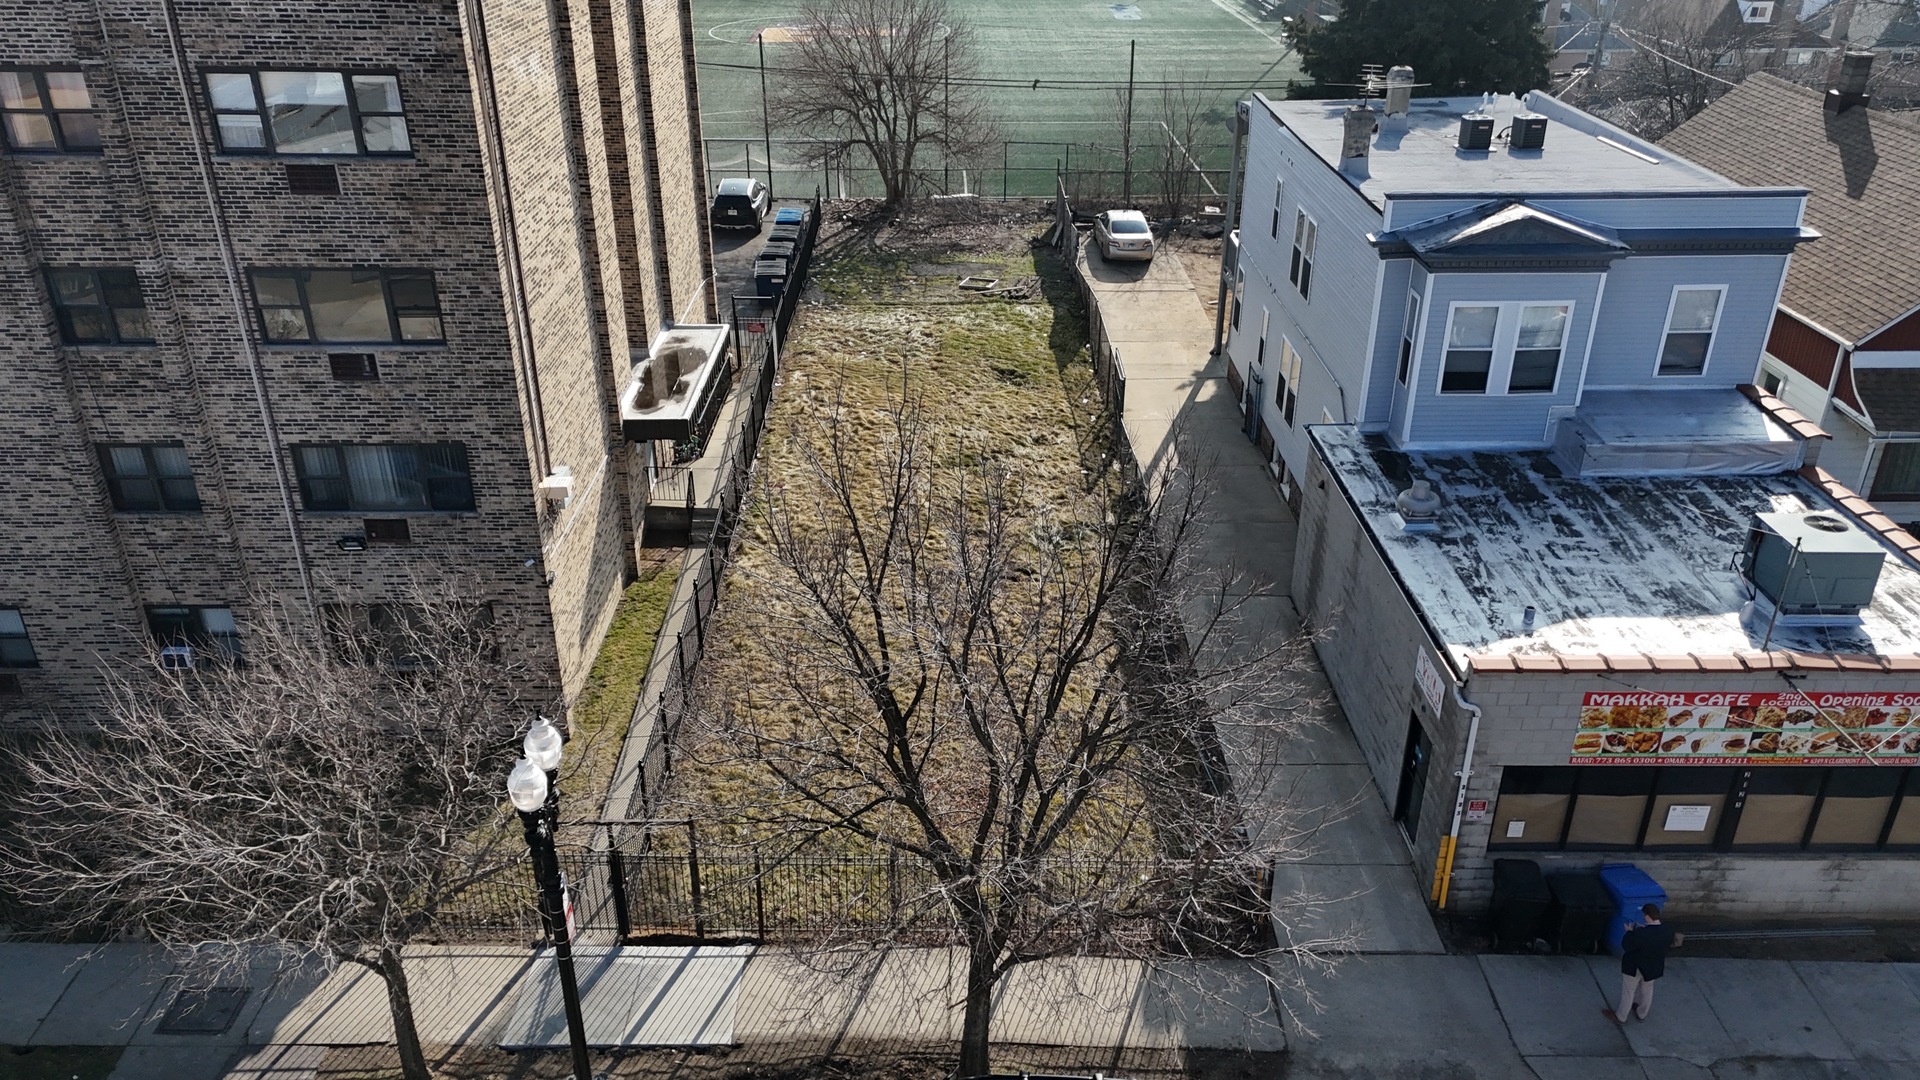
x=1399, y=90
x=1814, y=565
x=1476, y=131
x=1529, y=132
x=1419, y=507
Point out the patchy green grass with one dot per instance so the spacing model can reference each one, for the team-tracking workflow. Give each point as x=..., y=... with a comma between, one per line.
x=58, y=1062
x=606, y=703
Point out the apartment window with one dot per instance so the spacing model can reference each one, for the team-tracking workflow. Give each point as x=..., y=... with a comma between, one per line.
x=1691, y=316
x=1306, y=234
x=1279, y=187
x=1409, y=330
x=1239, y=293
x=1286, y=389
x=1509, y=348
x=99, y=305
x=209, y=632
x=420, y=477
x=16, y=648
x=364, y=306
x=1537, y=345
x=1898, y=476
x=47, y=112
x=307, y=112
x=1773, y=808
x=1470, y=333
x=150, y=478
x=1770, y=381
x=1260, y=351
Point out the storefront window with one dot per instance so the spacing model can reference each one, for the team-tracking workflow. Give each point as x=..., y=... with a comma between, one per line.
x=1533, y=807
x=1776, y=807
x=1624, y=808
x=1854, y=808
x=1609, y=807
x=1687, y=807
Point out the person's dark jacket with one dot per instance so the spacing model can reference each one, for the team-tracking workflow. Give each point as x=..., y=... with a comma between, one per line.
x=1643, y=951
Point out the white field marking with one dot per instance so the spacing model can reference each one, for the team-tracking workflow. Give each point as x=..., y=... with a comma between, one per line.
x=1251, y=22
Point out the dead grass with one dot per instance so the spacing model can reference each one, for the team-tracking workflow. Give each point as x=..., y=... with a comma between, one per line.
x=1002, y=381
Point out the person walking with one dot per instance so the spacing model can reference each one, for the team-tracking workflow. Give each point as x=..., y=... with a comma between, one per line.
x=1643, y=959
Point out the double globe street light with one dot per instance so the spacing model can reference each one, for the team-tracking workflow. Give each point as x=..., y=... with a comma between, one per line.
x=534, y=788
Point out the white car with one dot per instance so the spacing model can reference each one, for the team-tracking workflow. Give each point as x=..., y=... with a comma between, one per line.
x=1123, y=235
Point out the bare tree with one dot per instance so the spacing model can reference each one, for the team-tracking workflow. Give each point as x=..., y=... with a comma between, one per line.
x=1181, y=114
x=1676, y=70
x=326, y=797
x=1025, y=698
x=897, y=78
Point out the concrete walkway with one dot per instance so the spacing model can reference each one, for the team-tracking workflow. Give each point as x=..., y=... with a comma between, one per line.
x=1349, y=873
x=1377, y=1016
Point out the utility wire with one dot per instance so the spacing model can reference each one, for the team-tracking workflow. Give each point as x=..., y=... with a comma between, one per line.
x=1637, y=40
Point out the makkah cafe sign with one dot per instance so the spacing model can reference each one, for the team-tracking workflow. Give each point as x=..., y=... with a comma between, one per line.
x=1748, y=729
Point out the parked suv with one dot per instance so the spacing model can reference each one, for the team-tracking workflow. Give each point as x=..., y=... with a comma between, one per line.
x=740, y=204
x=1123, y=234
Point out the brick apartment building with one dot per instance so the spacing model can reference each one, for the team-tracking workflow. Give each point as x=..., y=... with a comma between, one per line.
x=312, y=297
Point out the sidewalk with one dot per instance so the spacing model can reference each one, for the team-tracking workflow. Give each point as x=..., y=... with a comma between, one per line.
x=1383, y=1015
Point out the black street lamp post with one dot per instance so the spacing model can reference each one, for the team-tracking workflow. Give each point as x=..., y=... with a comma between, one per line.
x=533, y=786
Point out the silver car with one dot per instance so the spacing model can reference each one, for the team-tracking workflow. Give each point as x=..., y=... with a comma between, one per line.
x=1123, y=235
x=740, y=203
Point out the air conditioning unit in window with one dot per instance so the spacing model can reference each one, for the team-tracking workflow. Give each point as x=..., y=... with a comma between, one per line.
x=177, y=658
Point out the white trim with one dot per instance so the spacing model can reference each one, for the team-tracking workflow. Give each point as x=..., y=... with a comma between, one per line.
x=1821, y=330
x=1373, y=342
x=1593, y=324
x=1868, y=361
x=1506, y=336
x=1713, y=335
x=1895, y=321
x=1419, y=351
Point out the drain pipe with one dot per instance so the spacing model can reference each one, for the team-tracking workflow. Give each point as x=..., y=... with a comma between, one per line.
x=1443, y=871
x=1240, y=114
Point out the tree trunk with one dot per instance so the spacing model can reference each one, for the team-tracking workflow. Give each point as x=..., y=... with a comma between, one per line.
x=974, y=1027
x=413, y=1063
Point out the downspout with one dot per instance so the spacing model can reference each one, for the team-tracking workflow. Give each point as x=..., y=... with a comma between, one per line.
x=230, y=263
x=1443, y=876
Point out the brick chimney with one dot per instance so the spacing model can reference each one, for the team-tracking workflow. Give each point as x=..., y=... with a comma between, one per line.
x=1848, y=87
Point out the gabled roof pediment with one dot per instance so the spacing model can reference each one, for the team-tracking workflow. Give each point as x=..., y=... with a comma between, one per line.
x=1503, y=232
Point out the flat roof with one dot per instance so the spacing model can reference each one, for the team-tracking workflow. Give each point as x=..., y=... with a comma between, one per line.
x=1635, y=571
x=1421, y=153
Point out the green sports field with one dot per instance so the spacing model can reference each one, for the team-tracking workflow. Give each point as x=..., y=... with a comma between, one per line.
x=1075, y=49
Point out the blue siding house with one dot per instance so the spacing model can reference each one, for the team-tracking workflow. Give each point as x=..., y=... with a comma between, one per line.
x=1417, y=269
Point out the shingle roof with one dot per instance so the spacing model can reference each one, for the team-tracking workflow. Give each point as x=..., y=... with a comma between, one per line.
x=1863, y=170
x=1891, y=397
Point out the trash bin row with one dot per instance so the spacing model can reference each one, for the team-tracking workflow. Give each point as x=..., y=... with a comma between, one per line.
x=1572, y=911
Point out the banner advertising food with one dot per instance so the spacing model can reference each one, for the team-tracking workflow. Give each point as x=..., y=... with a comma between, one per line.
x=1748, y=729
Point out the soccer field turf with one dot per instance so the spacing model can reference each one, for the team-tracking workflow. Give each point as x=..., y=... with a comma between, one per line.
x=1075, y=49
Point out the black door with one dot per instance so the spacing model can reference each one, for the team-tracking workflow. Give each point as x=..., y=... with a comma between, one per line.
x=1413, y=778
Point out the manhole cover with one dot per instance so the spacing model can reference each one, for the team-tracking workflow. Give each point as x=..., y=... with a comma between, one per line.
x=204, y=1012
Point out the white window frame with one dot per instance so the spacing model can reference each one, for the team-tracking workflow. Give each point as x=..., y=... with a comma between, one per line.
x=1260, y=351
x=1409, y=338
x=1279, y=190
x=1713, y=335
x=1506, y=334
x=1286, y=387
x=1306, y=238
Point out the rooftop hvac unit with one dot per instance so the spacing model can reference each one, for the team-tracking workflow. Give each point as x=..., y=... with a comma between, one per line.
x=1529, y=132
x=1812, y=564
x=1476, y=132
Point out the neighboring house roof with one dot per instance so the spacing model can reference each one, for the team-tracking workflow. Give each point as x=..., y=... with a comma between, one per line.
x=1862, y=169
x=1890, y=397
x=1875, y=24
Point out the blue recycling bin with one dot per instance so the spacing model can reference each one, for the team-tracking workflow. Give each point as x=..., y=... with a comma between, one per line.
x=1631, y=889
x=789, y=215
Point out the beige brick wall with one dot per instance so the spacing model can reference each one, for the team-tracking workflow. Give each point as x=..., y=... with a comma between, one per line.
x=524, y=394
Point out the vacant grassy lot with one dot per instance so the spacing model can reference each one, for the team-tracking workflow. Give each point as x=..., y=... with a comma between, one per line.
x=1000, y=380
